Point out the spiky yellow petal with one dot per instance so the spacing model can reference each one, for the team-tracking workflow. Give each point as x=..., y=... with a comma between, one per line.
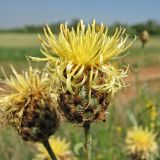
x=73, y=53
x=60, y=147
x=141, y=143
x=20, y=87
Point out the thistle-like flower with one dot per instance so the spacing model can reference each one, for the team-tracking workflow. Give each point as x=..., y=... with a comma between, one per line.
x=28, y=104
x=61, y=149
x=141, y=144
x=82, y=59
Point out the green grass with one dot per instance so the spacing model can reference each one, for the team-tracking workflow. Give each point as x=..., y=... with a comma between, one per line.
x=17, y=58
x=17, y=54
x=12, y=146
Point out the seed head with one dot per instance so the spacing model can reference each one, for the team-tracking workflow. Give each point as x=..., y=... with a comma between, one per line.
x=27, y=103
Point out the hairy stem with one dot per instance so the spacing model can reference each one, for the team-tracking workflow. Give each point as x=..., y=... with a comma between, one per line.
x=49, y=149
x=87, y=144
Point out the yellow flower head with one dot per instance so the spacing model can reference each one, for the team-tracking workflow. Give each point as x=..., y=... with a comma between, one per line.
x=60, y=147
x=141, y=143
x=83, y=55
x=28, y=104
x=82, y=58
x=20, y=89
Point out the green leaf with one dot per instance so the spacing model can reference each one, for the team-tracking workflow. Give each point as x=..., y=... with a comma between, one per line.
x=77, y=148
x=132, y=118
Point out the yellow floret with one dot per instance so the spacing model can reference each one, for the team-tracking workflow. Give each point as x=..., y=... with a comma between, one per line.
x=141, y=143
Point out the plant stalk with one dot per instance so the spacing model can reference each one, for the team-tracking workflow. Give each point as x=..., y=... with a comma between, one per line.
x=49, y=149
x=87, y=143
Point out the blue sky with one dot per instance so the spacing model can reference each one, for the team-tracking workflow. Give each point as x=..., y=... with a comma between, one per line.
x=17, y=13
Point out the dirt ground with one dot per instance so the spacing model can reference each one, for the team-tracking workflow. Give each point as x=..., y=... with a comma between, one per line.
x=148, y=76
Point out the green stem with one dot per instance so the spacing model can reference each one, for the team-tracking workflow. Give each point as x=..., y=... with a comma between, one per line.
x=137, y=72
x=49, y=149
x=87, y=144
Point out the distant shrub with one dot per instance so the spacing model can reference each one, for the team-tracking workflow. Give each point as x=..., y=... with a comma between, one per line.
x=152, y=26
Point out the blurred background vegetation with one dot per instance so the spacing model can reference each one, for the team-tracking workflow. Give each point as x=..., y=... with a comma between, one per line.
x=152, y=26
x=132, y=104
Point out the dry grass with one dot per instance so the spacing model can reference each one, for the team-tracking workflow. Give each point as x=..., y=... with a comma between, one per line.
x=18, y=40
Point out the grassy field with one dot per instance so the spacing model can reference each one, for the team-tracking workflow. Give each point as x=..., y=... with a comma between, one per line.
x=109, y=137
